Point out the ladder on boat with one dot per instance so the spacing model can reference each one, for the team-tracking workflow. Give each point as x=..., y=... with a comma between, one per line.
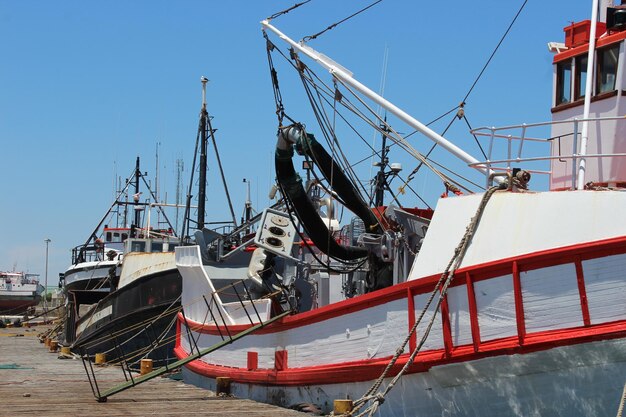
x=134, y=381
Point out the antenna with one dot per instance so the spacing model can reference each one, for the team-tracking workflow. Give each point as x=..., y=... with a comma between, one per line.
x=383, y=81
x=156, y=182
x=179, y=185
x=156, y=175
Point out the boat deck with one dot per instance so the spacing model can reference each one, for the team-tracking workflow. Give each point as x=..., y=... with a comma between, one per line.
x=36, y=382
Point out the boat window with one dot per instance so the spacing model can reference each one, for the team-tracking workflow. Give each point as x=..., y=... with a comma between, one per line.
x=564, y=82
x=138, y=246
x=156, y=247
x=581, y=77
x=108, y=237
x=124, y=236
x=607, y=69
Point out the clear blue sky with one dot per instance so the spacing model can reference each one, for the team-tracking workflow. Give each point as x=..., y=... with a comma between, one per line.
x=86, y=87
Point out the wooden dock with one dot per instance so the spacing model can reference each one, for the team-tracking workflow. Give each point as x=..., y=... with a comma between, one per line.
x=35, y=382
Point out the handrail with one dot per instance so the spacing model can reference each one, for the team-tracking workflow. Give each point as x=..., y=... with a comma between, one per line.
x=514, y=156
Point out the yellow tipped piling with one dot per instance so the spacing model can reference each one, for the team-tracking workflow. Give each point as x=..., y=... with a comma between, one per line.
x=222, y=384
x=342, y=406
x=100, y=358
x=146, y=366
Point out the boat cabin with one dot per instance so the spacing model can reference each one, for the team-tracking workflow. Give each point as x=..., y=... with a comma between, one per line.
x=604, y=138
x=114, y=237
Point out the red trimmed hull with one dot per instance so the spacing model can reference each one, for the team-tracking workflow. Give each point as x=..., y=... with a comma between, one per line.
x=283, y=358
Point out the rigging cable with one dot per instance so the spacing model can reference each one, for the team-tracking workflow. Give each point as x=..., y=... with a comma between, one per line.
x=432, y=148
x=495, y=50
x=352, y=108
x=441, y=287
x=475, y=138
x=334, y=25
x=397, y=138
x=327, y=129
x=471, y=89
x=219, y=164
x=295, y=6
x=281, y=113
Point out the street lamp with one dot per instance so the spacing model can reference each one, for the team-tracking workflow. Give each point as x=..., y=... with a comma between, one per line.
x=45, y=298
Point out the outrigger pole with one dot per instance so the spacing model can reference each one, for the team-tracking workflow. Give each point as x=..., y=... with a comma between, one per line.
x=346, y=76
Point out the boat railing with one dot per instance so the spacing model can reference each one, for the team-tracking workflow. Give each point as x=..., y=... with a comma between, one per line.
x=86, y=253
x=521, y=146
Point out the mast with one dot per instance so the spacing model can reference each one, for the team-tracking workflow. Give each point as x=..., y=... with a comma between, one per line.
x=346, y=76
x=204, y=116
x=248, y=207
x=136, y=195
x=381, y=181
x=588, y=86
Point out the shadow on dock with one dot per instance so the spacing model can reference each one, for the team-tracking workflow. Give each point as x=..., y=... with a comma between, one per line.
x=36, y=382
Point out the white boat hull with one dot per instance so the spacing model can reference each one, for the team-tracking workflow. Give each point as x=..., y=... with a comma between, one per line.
x=534, y=333
x=542, y=384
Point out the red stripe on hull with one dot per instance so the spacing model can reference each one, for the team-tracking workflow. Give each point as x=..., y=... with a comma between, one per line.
x=367, y=370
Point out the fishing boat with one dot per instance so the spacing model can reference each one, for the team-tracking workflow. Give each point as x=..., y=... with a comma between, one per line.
x=95, y=263
x=19, y=292
x=136, y=319
x=507, y=301
x=122, y=284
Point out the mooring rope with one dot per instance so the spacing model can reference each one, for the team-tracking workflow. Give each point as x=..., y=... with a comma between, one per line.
x=620, y=410
x=441, y=287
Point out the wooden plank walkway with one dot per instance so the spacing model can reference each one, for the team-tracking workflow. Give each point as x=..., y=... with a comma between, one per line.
x=35, y=382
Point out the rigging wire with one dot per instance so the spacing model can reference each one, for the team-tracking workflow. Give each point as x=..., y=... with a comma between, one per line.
x=471, y=89
x=352, y=108
x=295, y=6
x=322, y=90
x=494, y=51
x=475, y=138
x=289, y=206
x=320, y=114
x=310, y=77
x=334, y=25
x=432, y=148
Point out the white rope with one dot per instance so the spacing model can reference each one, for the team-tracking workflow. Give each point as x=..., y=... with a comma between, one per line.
x=441, y=287
x=620, y=410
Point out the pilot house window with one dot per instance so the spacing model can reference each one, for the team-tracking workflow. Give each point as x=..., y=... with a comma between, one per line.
x=564, y=83
x=581, y=77
x=607, y=69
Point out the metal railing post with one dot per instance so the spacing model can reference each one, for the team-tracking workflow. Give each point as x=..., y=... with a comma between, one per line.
x=574, y=154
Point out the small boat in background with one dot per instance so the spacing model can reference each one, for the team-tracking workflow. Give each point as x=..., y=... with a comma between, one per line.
x=121, y=281
x=19, y=292
x=133, y=317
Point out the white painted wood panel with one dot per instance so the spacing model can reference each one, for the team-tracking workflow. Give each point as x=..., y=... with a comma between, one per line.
x=605, y=284
x=551, y=298
x=495, y=302
x=435, y=338
x=516, y=223
x=374, y=332
x=460, y=322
